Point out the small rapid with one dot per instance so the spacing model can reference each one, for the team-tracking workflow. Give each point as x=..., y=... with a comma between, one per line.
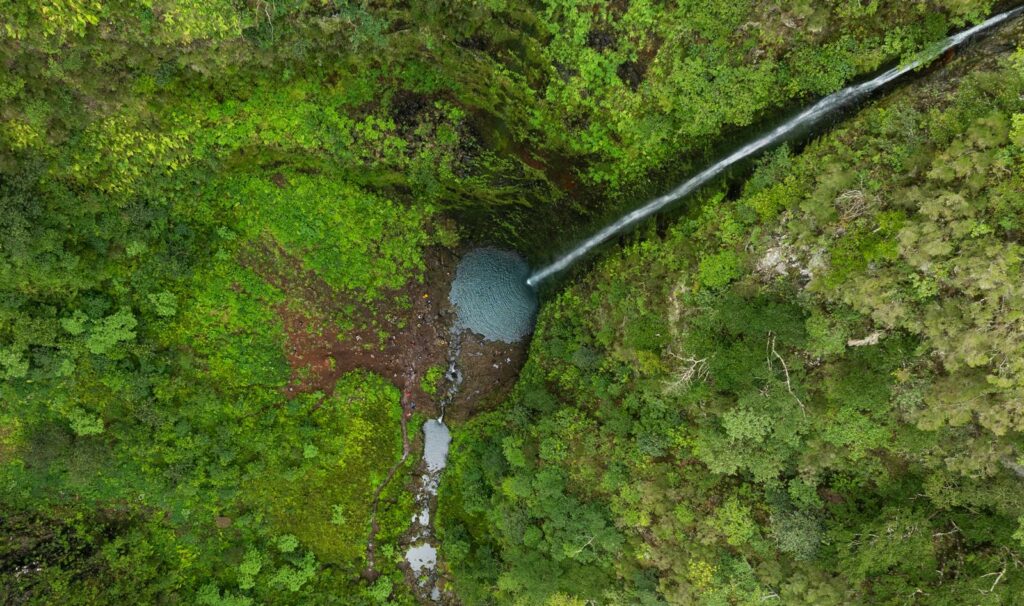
x=805, y=118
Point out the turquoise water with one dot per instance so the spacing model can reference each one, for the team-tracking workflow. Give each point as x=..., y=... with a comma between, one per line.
x=491, y=295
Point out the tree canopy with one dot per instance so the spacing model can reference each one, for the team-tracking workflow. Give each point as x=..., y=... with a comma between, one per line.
x=216, y=217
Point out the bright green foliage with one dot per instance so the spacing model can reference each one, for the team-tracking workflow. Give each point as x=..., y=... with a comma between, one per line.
x=111, y=330
x=734, y=521
x=356, y=443
x=431, y=379
x=719, y=269
x=322, y=221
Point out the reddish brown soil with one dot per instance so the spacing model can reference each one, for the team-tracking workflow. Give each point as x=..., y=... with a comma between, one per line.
x=415, y=321
x=489, y=370
x=556, y=170
x=399, y=337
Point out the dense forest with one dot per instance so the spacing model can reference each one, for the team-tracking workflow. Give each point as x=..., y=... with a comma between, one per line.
x=226, y=237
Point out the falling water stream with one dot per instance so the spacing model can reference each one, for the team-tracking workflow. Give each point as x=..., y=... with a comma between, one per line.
x=804, y=119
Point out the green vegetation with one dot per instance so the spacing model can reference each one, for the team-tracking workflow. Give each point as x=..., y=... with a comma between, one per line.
x=431, y=380
x=809, y=392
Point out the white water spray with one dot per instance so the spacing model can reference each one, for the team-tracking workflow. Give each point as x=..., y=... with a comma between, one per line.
x=818, y=110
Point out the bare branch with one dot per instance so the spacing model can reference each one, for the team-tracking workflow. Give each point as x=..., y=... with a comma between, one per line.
x=996, y=582
x=585, y=545
x=785, y=369
x=871, y=339
x=693, y=369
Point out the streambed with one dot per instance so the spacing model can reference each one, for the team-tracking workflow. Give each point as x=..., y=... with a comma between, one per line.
x=491, y=299
x=422, y=556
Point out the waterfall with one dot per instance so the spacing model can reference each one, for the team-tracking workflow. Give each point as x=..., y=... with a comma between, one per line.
x=808, y=116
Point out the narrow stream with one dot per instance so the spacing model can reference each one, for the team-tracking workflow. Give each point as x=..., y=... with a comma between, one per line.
x=422, y=554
